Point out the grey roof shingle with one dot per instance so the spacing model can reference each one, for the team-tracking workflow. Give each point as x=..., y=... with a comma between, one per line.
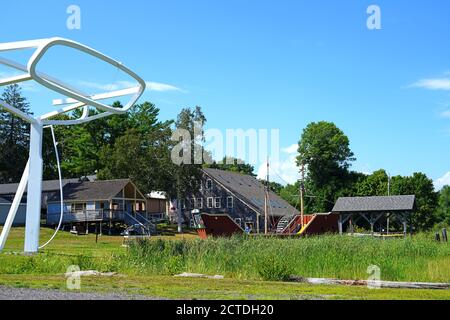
x=47, y=186
x=372, y=204
x=251, y=191
x=88, y=191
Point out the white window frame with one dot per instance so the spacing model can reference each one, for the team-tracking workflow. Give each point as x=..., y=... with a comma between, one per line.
x=232, y=202
x=192, y=203
x=218, y=204
x=200, y=203
x=208, y=203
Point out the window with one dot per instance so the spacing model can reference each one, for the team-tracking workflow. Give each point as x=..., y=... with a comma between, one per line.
x=218, y=203
x=208, y=184
x=192, y=203
x=210, y=202
x=78, y=207
x=230, y=202
x=183, y=204
x=200, y=203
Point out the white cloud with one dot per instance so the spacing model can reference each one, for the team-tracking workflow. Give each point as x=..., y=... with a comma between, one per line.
x=283, y=171
x=443, y=181
x=433, y=84
x=445, y=114
x=291, y=149
x=153, y=86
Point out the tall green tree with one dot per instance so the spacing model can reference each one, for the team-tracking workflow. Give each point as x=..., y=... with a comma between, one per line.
x=142, y=153
x=188, y=173
x=234, y=165
x=375, y=184
x=325, y=152
x=14, y=136
x=427, y=198
x=443, y=210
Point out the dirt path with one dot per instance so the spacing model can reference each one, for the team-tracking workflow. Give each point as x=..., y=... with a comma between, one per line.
x=8, y=293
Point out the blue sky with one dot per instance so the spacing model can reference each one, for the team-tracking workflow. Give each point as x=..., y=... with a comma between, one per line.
x=278, y=65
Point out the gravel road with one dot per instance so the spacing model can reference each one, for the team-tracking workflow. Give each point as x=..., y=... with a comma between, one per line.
x=7, y=293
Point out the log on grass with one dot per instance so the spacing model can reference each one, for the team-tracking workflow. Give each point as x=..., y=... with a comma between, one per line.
x=374, y=283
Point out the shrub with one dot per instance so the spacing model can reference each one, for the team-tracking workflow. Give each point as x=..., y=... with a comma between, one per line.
x=274, y=269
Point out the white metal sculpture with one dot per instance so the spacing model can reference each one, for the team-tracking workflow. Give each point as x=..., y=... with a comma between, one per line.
x=32, y=176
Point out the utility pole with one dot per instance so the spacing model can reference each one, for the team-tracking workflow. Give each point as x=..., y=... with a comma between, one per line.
x=179, y=204
x=302, y=186
x=389, y=193
x=266, y=201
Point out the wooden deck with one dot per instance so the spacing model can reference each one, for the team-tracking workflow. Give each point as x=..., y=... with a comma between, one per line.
x=87, y=216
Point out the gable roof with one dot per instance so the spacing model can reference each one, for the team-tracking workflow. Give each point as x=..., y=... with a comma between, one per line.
x=372, y=204
x=85, y=191
x=251, y=191
x=47, y=186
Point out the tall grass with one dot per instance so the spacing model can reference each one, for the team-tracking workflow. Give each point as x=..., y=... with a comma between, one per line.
x=413, y=259
x=417, y=259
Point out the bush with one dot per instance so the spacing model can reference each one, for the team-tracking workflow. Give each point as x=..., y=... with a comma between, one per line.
x=274, y=269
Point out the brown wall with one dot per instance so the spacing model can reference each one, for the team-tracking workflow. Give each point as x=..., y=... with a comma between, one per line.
x=156, y=206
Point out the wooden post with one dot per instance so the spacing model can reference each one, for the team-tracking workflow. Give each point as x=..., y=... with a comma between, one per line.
x=265, y=214
x=444, y=235
x=110, y=216
x=437, y=237
x=340, y=224
x=405, y=227
x=302, y=205
x=266, y=202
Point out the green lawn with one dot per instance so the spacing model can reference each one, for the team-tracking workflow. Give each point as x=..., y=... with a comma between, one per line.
x=45, y=270
x=180, y=288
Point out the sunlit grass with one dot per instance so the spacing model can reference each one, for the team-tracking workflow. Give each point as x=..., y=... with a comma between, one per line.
x=413, y=259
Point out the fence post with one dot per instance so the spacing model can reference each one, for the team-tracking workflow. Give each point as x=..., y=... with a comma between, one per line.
x=438, y=237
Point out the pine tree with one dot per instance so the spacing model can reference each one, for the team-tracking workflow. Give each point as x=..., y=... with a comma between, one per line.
x=14, y=136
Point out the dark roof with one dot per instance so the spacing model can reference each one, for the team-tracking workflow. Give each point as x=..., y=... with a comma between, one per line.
x=251, y=191
x=371, y=204
x=86, y=191
x=47, y=186
x=4, y=201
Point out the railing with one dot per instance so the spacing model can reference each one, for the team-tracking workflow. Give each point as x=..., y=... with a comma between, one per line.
x=113, y=215
x=89, y=216
x=79, y=216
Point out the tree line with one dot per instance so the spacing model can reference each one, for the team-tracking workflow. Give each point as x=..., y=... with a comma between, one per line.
x=324, y=152
x=137, y=145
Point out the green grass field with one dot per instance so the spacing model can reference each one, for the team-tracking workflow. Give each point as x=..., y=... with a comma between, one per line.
x=249, y=265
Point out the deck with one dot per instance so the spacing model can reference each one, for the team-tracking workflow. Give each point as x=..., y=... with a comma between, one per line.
x=90, y=216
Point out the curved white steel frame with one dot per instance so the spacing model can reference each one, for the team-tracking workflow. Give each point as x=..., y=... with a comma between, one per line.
x=32, y=176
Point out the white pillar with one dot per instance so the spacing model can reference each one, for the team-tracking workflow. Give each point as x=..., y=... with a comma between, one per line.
x=34, y=192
